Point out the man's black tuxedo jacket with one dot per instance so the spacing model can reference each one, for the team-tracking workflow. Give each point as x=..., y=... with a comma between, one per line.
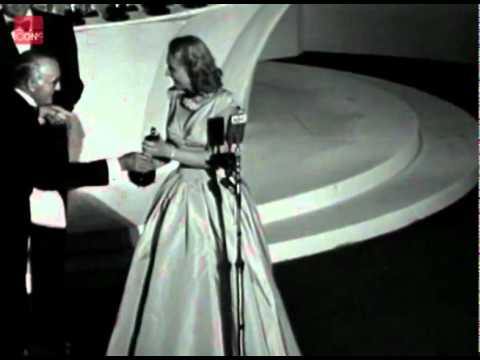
x=59, y=41
x=27, y=160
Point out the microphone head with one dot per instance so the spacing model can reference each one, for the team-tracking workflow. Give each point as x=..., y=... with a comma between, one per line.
x=236, y=127
x=239, y=118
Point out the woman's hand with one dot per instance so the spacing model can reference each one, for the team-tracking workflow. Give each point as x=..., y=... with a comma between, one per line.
x=157, y=149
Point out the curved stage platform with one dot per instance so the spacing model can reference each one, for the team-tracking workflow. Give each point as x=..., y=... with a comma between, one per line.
x=331, y=158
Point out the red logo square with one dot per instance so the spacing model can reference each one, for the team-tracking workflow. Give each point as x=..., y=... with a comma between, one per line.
x=28, y=30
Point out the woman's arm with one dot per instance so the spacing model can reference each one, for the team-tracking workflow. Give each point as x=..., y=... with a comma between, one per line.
x=162, y=150
x=196, y=159
x=201, y=159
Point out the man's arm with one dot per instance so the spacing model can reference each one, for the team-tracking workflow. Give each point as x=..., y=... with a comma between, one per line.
x=104, y=172
x=95, y=173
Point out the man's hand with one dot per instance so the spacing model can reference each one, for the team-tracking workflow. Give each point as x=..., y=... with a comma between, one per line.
x=136, y=162
x=158, y=163
x=54, y=115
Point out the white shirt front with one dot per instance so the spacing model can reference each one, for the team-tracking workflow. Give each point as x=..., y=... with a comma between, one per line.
x=30, y=101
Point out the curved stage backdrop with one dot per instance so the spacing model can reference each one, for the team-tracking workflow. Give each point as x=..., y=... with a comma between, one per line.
x=332, y=158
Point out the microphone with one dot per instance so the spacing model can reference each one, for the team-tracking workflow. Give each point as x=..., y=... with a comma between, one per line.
x=216, y=132
x=236, y=127
x=234, y=134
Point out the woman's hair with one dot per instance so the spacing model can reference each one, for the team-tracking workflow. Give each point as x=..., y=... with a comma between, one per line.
x=199, y=63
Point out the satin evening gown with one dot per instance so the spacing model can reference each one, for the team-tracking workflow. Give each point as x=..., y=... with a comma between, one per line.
x=180, y=297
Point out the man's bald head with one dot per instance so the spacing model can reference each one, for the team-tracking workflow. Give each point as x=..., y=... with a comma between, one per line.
x=38, y=75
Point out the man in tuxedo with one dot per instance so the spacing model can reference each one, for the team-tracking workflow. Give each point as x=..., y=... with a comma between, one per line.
x=27, y=164
x=47, y=244
x=58, y=41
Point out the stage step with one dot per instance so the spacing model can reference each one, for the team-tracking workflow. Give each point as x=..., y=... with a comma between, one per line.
x=445, y=169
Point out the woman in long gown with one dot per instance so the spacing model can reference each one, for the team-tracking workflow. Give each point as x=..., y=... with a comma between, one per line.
x=181, y=294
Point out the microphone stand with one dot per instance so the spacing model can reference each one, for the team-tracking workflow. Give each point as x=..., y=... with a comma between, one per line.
x=239, y=263
x=231, y=162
